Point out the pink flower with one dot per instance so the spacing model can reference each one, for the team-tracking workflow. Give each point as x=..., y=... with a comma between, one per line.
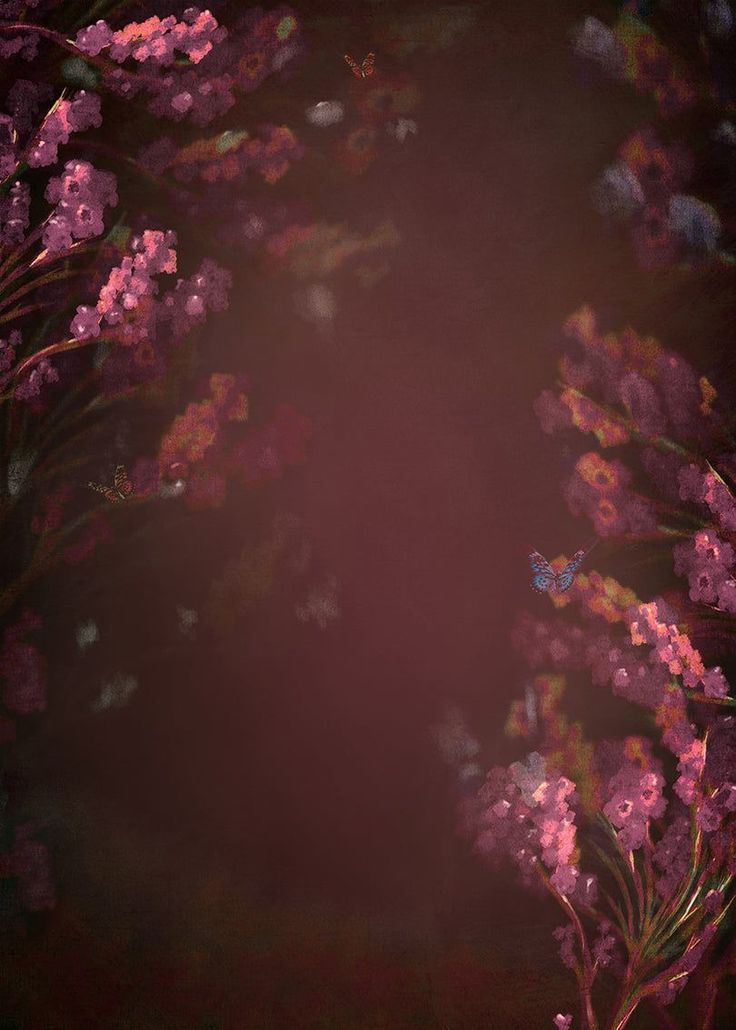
x=154, y=40
x=66, y=117
x=635, y=797
x=81, y=194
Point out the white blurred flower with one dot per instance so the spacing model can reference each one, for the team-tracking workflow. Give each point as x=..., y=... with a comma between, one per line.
x=254, y=227
x=115, y=693
x=596, y=42
x=618, y=192
x=283, y=55
x=531, y=706
x=695, y=221
x=457, y=747
x=726, y=132
x=325, y=113
x=87, y=634
x=20, y=464
x=401, y=128
x=322, y=604
x=172, y=488
x=188, y=619
x=317, y=304
x=719, y=18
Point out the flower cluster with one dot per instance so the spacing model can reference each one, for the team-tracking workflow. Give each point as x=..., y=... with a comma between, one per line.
x=525, y=812
x=65, y=117
x=629, y=389
x=674, y=650
x=218, y=63
x=381, y=107
x=227, y=157
x=200, y=449
x=65, y=364
x=127, y=286
x=81, y=195
x=156, y=41
x=643, y=188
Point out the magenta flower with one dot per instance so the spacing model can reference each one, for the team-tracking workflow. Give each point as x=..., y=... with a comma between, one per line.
x=634, y=797
x=66, y=117
x=525, y=814
x=81, y=194
x=14, y=214
x=29, y=387
x=155, y=41
x=671, y=855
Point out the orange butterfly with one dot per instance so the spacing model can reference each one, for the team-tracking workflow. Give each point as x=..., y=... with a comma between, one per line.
x=365, y=68
x=121, y=488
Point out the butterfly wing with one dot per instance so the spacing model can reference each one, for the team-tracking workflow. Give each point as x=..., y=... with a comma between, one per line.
x=354, y=66
x=543, y=577
x=107, y=492
x=367, y=64
x=565, y=579
x=122, y=484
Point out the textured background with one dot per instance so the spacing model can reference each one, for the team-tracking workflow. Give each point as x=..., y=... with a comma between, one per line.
x=264, y=838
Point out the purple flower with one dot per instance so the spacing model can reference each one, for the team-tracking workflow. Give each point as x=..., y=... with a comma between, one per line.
x=81, y=194
x=707, y=816
x=714, y=682
x=67, y=116
x=707, y=561
x=692, y=484
x=186, y=93
x=524, y=813
x=24, y=102
x=635, y=796
x=159, y=155
x=642, y=400
x=603, y=944
x=94, y=38
x=672, y=855
x=86, y=323
x=189, y=301
x=720, y=760
x=18, y=45
x=680, y=389
x=680, y=970
x=30, y=387
x=14, y=214
x=7, y=352
x=565, y=937
x=553, y=415
x=155, y=40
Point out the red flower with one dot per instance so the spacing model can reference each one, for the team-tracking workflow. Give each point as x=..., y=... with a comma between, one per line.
x=23, y=667
x=97, y=531
x=52, y=505
x=358, y=151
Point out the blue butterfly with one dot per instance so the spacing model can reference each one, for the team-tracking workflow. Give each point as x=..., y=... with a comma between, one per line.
x=545, y=578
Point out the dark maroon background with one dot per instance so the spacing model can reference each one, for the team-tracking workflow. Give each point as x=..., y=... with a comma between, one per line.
x=298, y=764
